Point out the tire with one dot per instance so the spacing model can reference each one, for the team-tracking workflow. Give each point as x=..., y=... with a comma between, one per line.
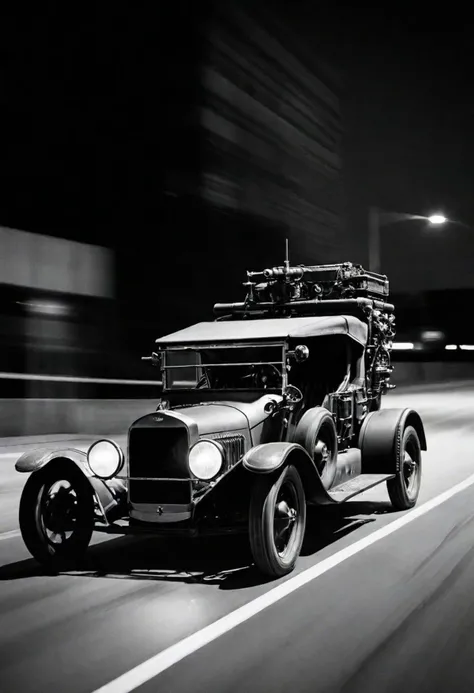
x=316, y=433
x=69, y=511
x=404, y=489
x=273, y=557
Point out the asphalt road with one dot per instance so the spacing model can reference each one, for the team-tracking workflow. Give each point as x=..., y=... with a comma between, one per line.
x=380, y=601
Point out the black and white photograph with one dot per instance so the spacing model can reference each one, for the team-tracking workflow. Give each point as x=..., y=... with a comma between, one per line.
x=236, y=347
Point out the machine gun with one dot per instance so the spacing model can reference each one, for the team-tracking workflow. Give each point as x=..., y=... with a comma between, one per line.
x=287, y=290
x=309, y=289
x=320, y=282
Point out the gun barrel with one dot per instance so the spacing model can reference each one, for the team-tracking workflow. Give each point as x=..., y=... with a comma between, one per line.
x=281, y=272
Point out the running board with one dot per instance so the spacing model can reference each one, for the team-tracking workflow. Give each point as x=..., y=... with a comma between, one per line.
x=361, y=483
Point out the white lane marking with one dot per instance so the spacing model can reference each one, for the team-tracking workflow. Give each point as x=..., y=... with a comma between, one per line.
x=167, y=658
x=10, y=454
x=10, y=535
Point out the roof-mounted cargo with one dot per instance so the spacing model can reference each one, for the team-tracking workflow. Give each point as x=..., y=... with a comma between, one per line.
x=310, y=290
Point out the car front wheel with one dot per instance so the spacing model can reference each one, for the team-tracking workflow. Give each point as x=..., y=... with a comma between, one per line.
x=57, y=515
x=277, y=522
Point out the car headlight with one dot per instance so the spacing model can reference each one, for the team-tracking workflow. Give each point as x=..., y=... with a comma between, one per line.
x=105, y=459
x=206, y=459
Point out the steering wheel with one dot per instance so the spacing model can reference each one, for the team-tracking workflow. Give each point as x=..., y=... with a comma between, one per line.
x=263, y=375
x=293, y=395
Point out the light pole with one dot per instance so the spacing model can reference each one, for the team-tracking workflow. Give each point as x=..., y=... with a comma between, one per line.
x=379, y=218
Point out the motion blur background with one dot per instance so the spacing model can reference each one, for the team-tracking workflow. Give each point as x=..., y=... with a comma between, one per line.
x=151, y=156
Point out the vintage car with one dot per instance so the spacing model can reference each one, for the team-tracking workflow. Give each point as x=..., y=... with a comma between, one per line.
x=274, y=405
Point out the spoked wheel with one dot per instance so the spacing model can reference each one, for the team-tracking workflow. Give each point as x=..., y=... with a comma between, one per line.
x=57, y=515
x=405, y=487
x=277, y=522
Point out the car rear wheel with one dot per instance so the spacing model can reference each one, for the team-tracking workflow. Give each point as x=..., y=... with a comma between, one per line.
x=316, y=433
x=57, y=515
x=277, y=522
x=404, y=489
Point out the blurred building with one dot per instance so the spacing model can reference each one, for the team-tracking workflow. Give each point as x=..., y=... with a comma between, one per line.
x=56, y=311
x=271, y=129
x=247, y=153
x=190, y=141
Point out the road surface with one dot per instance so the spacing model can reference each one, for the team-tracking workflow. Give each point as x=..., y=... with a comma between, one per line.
x=380, y=601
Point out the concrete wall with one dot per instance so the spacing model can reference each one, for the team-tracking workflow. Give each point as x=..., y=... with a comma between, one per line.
x=20, y=417
x=431, y=372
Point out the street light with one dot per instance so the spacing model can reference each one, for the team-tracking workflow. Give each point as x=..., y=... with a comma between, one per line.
x=379, y=218
x=437, y=219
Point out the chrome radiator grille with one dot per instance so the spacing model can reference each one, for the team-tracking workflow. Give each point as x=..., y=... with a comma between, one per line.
x=234, y=446
x=158, y=469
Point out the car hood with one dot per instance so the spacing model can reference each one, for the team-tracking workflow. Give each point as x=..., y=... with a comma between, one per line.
x=223, y=417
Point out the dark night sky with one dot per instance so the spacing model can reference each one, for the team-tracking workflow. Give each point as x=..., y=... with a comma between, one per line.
x=408, y=112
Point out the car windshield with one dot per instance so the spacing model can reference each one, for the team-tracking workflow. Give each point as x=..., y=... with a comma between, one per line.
x=224, y=368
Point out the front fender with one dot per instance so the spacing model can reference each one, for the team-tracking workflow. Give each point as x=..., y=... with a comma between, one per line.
x=110, y=495
x=270, y=457
x=379, y=434
x=34, y=460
